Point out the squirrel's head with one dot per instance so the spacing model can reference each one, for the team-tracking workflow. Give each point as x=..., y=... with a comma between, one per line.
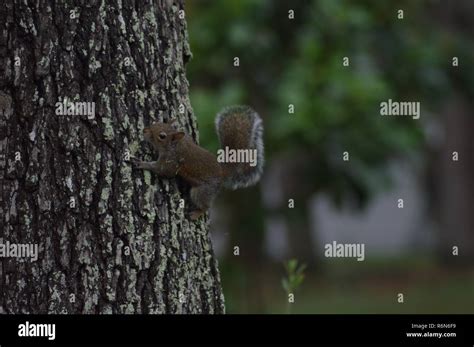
x=162, y=135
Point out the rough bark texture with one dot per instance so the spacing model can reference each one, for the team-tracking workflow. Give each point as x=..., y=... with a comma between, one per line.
x=128, y=57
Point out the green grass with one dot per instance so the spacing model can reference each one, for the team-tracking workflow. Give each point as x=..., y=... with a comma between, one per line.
x=348, y=287
x=451, y=296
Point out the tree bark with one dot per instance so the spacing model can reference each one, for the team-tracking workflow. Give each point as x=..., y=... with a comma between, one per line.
x=111, y=239
x=456, y=187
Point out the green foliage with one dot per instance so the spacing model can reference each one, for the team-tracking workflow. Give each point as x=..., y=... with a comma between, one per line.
x=294, y=276
x=299, y=62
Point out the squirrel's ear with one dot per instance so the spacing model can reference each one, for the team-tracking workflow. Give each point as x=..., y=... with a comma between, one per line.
x=177, y=136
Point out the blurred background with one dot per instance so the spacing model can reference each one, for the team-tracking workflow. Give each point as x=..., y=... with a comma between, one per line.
x=315, y=109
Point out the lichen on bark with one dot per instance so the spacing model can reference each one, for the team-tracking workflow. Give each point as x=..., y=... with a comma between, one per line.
x=112, y=239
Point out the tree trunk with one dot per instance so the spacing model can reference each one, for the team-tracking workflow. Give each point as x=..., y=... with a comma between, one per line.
x=454, y=183
x=111, y=239
x=456, y=187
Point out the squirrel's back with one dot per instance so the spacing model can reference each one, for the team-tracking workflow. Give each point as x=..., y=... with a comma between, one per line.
x=240, y=132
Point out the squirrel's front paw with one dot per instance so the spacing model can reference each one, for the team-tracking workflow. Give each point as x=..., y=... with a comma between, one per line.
x=136, y=162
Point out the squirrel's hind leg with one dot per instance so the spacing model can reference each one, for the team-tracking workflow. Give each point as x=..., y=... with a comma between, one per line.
x=201, y=197
x=196, y=214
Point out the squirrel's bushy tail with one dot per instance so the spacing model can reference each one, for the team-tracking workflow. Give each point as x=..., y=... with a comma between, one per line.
x=240, y=132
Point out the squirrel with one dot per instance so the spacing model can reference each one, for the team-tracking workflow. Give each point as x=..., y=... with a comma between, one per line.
x=238, y=128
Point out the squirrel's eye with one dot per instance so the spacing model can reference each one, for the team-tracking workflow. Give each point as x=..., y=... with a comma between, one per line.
x=162, y=136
